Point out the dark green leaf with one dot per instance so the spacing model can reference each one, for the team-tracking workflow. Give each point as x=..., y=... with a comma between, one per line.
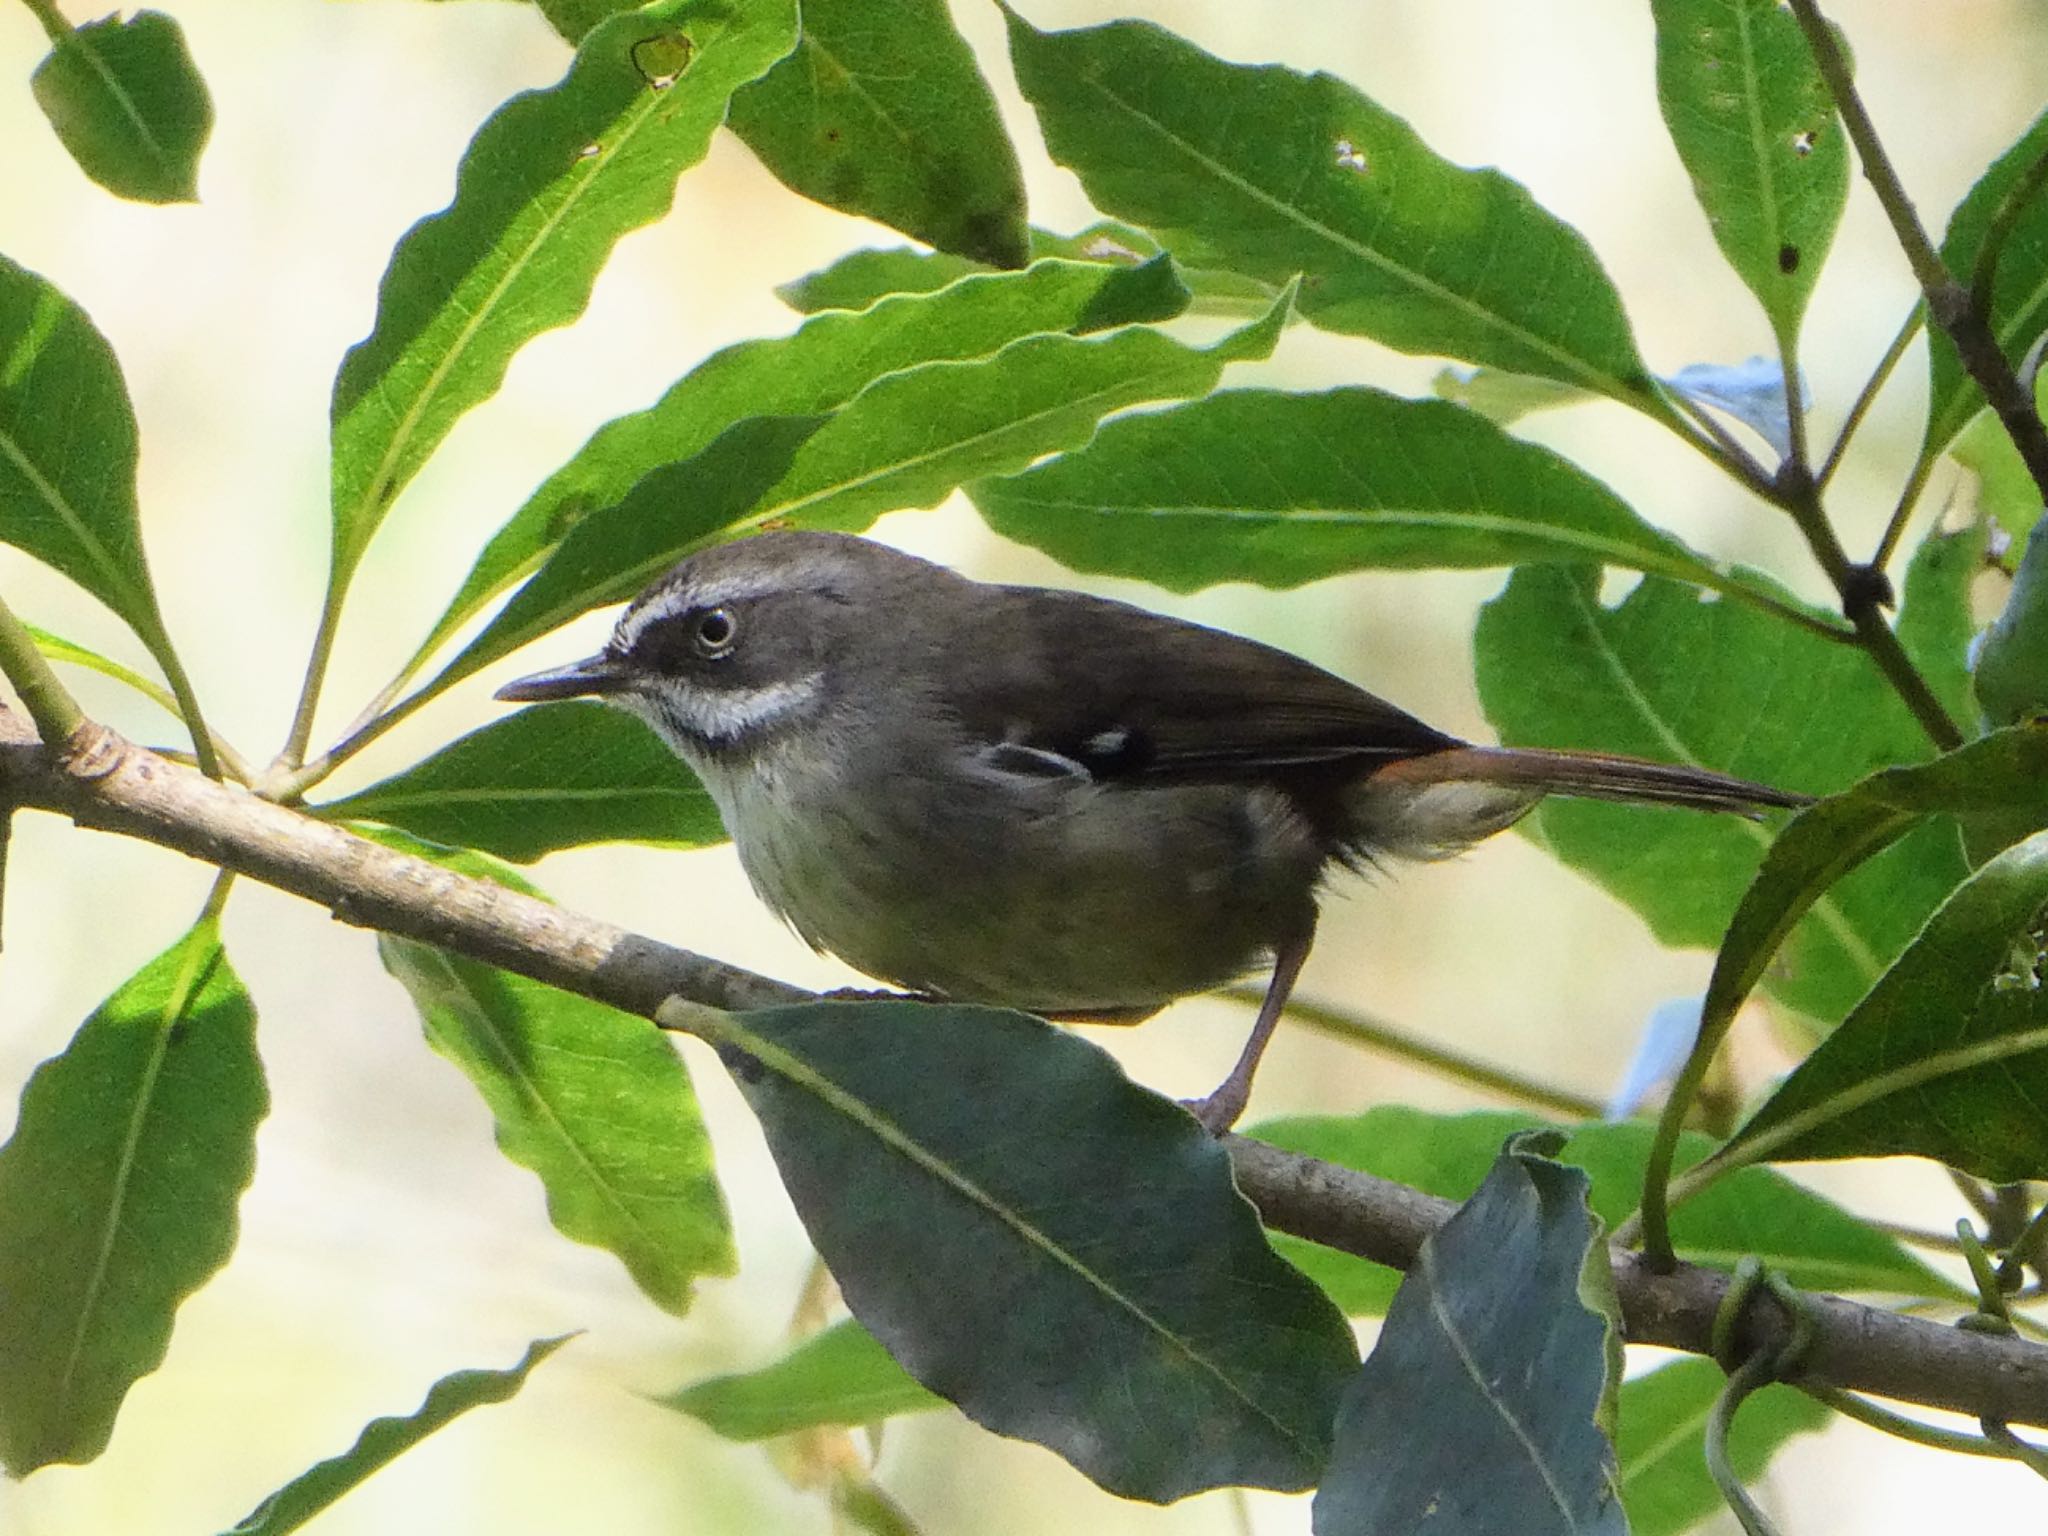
x=1948, y=1056
x=1660, y=1439
x=819, y=368
x=1109, y=1295
x=117, y=1195
x=383, y=1441
x=839, y=1377
x=2012, y=667
x=1935, y=625
x=127, y=101
x=1998, y=787
x=1281, y=489
x=547, y=187
x=1270, y=173
x=2017, y=306
x=1756, y=128
x=1810, y=1240
x=881, y=112
x=1500, y=1352
x=611, y=554
x=594, y=1101
x=559, y=776
x=1722, y=685
x=67, y=451
x=2005, y=490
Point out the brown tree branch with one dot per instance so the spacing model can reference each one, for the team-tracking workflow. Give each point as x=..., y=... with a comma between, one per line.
x=110, y=784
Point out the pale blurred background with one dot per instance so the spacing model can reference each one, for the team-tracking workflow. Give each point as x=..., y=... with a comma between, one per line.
x=384, y=1242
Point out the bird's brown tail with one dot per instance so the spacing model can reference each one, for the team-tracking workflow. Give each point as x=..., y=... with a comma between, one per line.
x=1594, y=775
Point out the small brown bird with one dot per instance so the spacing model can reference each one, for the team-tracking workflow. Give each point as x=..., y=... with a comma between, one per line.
x=1044, y=800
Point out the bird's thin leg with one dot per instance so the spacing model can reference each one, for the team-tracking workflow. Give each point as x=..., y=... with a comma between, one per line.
x=1220, y=1110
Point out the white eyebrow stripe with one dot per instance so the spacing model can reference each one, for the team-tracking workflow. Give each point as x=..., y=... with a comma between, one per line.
x=726, y=587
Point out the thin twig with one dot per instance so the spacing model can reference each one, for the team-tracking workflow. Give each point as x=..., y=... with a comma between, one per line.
x=1867, y=396
x=48, y=702
x=1949, y=304
x=1385, y=1038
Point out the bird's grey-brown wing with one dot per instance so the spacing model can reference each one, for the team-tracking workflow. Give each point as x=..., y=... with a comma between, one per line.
x=1129, y=694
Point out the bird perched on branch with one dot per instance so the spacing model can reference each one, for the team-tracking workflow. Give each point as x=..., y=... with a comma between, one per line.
x=1045, y=800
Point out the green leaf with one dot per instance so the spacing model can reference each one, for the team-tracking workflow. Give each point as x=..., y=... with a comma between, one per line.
x=1111, y=1295
x=881, y=112
x=1754, y=123
x=1494, y=1356
x=823, y=365
x=838, y=1377
x=611, y=554
x=57, y=648
x=859, y=278
x=908, y=440
x=1948, y=1056
x=557, y=776
x=117, y=1195
x=594, y=1101
x=1997, y=786
x=1660, y=1442
x=1502, y=398
x=548, y=185
x=1270, y=173
x=2017, y=306
x=127, y=102
x=574, y=18
x=2012, y=667
x=1671, y=676
x=1282, y=489
x=1935, y=625
x=67, y=451
x=383, y=1441
x=1807, y=1238
x=2005, y=490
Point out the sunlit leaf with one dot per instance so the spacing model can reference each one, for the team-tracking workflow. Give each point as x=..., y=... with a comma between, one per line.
x=117, y=1195
x=383, y=1441
x=840, y=1376
x=547, y=187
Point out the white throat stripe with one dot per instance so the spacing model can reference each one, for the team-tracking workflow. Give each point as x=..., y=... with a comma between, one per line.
x=728, y=714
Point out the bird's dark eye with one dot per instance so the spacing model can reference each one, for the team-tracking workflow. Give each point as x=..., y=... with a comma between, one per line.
x=713, y=631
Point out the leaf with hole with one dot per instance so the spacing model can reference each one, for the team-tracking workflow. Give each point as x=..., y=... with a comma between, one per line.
x=1948, y=1056
x=383, y=1441
x=118, y=1192
x=1501, y=1351
x=881, y=112
x=127, y=101
x=1110, y=1296
x=1270, y=173
x=547, y=188
x=1754, y=123
x=1671, y=675
x=542, y=779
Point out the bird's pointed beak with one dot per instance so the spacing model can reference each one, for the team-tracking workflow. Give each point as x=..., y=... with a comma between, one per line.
x=593, y=676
